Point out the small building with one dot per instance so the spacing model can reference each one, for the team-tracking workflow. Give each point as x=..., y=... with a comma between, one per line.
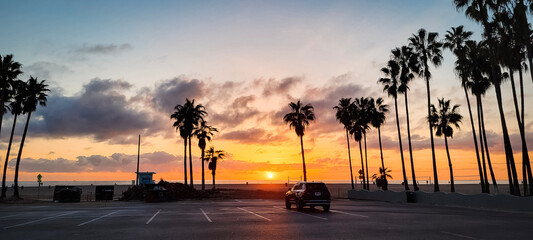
x=146, y=178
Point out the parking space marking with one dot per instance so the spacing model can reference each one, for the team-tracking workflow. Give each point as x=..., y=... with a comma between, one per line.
x=310, y=215
x=152, y=218
x=268, y=219
x=13, y=215
x=347, y=213
x=205, y=215
x=98, y=218
x=458, y=235
x=38, y=220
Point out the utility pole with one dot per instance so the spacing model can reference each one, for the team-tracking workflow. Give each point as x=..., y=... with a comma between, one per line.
x=138, y=157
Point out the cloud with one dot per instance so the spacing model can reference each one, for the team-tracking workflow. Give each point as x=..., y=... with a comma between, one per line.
x=237, y=112
x=117, y=162
x=254, y=136
x=46, y=70
x=103, y=48
x=272, y=86
x=169, y=93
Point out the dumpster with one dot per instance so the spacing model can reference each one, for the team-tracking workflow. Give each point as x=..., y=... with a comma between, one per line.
x=410, y=197
x=67, y=194
x=104, y=193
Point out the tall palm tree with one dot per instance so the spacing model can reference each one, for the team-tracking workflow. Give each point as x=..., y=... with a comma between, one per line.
x=390, y=85
x=187, y=118
x=204, y=133
x=214, y=156
x=356, y=130
x=407, y=61
x=9, y=71
x=479, y=10
x=364, y=106
x=454, y=40
x=299, y=118
x=16, y=107
x=344, y=116
x=427, y=49
x=35, y=94
x=443, y=120
x=378, y=119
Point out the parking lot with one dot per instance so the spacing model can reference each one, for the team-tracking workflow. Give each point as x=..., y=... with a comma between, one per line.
x=256, y=219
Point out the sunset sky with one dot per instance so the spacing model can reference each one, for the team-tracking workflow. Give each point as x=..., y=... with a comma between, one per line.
x=116, y=69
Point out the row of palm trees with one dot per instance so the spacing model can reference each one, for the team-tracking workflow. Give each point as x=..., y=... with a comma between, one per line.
x=19, y=98
x=190, y=122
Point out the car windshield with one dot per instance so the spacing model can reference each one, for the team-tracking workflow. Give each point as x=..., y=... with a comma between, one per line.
x=315, y=186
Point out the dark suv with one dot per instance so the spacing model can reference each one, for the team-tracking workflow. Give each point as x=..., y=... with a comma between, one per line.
x=308, y=194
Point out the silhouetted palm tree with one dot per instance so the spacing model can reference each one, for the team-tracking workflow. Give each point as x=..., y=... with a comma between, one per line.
x=35, y=94
x=427, y=49
x=407, y=61
x=455, y=40
x=378, y=118
x=364, y=109
x=299, y=118
x=381, y=179
x=479, y=10
x=344, y=116
x=442, y=120
x=9, y=71
x=356, y=130
x=214, y=156
x=390, y=85
x=204, y=133
x=16, y=106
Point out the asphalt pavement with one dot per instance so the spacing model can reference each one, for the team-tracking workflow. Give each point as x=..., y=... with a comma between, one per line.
x=256, y=219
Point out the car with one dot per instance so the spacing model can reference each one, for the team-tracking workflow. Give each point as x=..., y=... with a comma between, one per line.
x=308, y=194
x=67, y=194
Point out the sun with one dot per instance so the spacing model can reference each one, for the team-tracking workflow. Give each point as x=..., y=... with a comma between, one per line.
x=270, y=175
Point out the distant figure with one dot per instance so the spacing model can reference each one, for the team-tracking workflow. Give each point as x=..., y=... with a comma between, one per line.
x=49, y=186
x=21, y=187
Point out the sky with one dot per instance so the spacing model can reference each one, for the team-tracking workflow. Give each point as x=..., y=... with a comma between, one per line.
x=116, y=69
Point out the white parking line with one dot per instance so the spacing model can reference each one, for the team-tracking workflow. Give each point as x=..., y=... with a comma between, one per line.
x=268, y=219
x=152, y=218
x=38, y=220
x=307, y=214
x=206, y=217
x=458, y=235
x=98, y=218
x=347, y=213
x=13, y=215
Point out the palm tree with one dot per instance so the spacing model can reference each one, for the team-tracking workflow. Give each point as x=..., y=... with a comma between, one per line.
x=407, y=61
x=377, y=120
x=299, y=118
x=187, y=118
x=454, y=41
x=16, y=107
x=214, y=156
x=442, y=121
x=381, y=179
x=479, y=10
x=204, y=133
x=343, y=115
x=390, y=85
x=356, y=130
x=35, y=94
x=9, y=71
x=426, y=47
x=364, y=106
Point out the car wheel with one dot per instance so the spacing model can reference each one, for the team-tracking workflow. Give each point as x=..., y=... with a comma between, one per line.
x=326, y=208
x=287, y=204
x=299, y=205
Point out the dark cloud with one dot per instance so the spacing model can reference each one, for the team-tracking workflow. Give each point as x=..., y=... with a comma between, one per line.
x=273, y=86
x=253, y=136
x=117, y=162
x=103, y=48
x=238, y=112
x=169, y=93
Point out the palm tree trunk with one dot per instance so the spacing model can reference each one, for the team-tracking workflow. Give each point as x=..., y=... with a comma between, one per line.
x=350, y=158
x=190, y=161
x=435, y=176
x=528, y=164
x=489, y=163
x=452, y=189
x=185, y=159
x=380, y=148
x=303, y=157
x=525, y=154
x=4, y=189
x=406, y=185
x=203, y=170
x=415, y=186
x=366, y=165
x=479, y=120
x=362, y=164
x=507, y=142
x=213, y=173
x=16, y=193
x=481, y=179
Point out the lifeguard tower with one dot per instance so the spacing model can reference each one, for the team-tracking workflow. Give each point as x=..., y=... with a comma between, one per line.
x=146, y=178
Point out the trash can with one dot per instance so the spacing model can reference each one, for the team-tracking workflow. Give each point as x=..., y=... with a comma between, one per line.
x=67, y=194
x=104, y=193
x=410, y=197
